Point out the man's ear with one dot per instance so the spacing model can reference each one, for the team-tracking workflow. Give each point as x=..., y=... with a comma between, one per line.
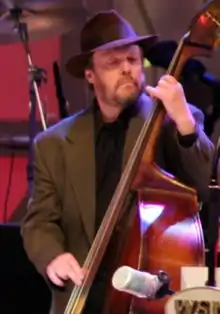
x=89, y=76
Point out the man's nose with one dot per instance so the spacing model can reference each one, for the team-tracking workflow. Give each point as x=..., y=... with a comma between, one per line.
x=126, y=67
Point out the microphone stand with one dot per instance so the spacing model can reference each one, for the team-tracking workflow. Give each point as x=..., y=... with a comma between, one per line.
x=36, y=77
x=213, y=218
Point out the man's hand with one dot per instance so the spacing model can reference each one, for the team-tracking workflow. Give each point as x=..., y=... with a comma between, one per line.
x=171, y=93
x=65, y=267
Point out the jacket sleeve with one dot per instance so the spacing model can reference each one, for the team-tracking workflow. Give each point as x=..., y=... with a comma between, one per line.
x=192, y=165
x=42, y=236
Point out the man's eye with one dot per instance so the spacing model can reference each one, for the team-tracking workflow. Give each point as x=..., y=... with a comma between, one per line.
x=113, y=61
x=133, y=59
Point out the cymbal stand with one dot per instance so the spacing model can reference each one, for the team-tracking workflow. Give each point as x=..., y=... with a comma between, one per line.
x=36, y=77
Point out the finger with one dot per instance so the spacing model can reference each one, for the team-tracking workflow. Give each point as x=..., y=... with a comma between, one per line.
x=67, y=272
x=62, y=273
x=76, y=267
x=164, y=84
x=169, y=78
x=74, y=276
x=154, y=92
x=54, y=278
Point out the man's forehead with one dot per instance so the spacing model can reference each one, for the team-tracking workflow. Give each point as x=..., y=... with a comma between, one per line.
x=119, y=50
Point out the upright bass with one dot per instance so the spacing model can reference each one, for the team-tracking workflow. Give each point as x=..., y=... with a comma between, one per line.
x=173, y=238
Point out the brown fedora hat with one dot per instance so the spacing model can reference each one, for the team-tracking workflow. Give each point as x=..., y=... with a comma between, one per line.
x=105, y=30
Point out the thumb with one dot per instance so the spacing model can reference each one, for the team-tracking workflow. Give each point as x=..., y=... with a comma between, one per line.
x=152, y=91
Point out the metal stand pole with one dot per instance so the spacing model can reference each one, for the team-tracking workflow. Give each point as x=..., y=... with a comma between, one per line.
x=36, y=77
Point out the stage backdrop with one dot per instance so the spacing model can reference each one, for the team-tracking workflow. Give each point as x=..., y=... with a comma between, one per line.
x=14, y=112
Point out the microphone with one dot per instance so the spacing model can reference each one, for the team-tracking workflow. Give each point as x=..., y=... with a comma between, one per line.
x=141, y=284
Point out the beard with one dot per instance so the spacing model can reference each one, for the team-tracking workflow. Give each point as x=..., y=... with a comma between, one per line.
x=127, y=92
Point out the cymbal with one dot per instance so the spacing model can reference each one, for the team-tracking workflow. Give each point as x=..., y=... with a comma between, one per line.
x=44, y=18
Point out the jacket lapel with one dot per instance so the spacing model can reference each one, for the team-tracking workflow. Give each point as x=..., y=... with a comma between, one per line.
x=80, y=160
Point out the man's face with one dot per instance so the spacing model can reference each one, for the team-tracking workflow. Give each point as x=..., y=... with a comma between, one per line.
x=117, y=75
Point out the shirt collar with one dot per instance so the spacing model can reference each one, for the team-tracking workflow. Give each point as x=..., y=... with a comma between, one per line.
x=121, y=122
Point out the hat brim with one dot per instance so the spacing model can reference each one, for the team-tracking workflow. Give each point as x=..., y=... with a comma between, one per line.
x=76, y=65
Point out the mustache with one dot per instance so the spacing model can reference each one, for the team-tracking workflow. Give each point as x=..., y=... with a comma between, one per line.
x=126, y=80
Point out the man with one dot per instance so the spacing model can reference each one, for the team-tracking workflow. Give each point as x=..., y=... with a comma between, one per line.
x=78, y=162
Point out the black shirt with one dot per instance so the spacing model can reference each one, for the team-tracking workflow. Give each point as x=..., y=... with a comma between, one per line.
x=110, y=140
